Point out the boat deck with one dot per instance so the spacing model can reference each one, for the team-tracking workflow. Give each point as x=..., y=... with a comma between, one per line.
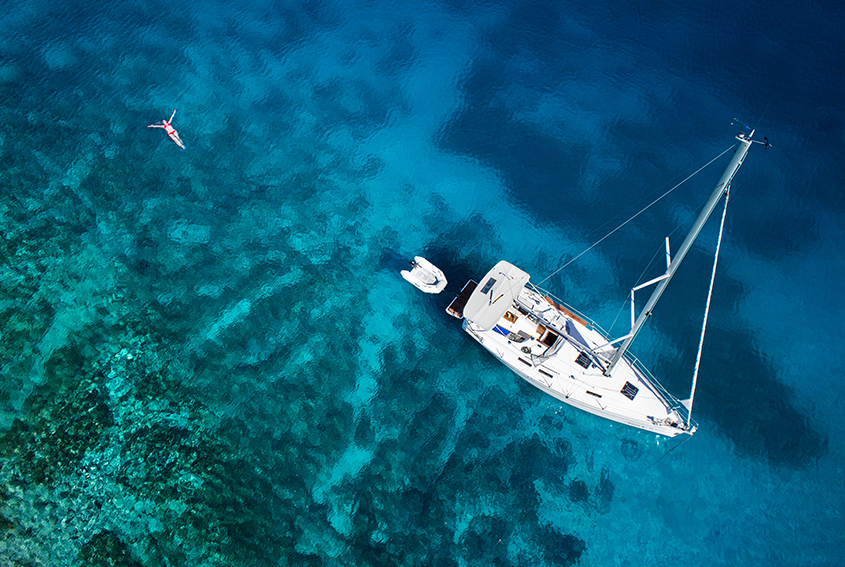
x=554, y=352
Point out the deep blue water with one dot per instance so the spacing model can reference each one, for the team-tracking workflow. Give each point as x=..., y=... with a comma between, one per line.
x=209, y=358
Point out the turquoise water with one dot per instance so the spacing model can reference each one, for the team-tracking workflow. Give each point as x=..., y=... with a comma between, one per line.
x=209, y=358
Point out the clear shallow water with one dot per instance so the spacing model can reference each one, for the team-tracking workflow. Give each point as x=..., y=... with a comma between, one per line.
x=208, y=356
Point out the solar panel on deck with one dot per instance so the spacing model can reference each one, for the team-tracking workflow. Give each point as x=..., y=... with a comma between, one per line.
x=584, y=360
x=629, y=390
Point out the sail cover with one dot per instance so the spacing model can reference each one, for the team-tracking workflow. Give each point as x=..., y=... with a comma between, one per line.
x=494, y=295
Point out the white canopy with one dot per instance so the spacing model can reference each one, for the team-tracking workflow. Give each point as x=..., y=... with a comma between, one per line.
x=494, y=295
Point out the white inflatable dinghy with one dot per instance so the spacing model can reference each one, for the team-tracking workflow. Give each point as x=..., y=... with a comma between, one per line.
x=425, y=276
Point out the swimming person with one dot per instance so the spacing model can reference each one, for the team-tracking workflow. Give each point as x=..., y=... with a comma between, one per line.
x=174, y=135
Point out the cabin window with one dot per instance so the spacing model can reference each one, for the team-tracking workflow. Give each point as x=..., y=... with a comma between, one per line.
x=488, y=285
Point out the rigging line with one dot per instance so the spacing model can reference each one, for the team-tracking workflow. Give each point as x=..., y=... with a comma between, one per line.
x=669, y=451
x=626, y=301
x=611, y=220
x=660, y=251
x=707, y=307
x=762, y=115
x=644, y=209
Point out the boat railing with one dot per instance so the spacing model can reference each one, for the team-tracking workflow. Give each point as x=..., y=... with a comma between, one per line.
x=568, y=309
x=671, y=400
x=635, y=362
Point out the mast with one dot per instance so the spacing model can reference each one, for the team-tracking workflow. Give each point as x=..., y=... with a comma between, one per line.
x=720, y=190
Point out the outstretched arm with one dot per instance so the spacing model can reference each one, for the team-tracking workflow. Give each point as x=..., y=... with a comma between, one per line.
x=156, y=126
x=172, y=115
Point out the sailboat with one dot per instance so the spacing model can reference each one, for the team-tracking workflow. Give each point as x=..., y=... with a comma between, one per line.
x=566, y=355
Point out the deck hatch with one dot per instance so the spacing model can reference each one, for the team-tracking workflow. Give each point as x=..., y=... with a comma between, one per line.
x=488, y=285
x=583, y=360
x=629, y=390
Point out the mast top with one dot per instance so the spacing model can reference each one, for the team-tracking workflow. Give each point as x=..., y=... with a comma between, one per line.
x=746, y=137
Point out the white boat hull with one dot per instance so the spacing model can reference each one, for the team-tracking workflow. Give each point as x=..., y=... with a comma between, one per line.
x=559, y=352
x=584, y=401
x=569, y=357
x=425, y=276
